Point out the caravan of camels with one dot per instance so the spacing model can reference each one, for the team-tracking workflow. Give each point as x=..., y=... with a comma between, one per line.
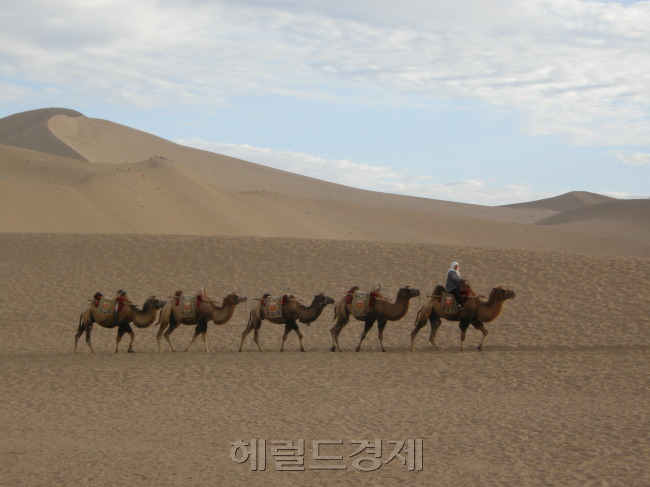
x=369, y=307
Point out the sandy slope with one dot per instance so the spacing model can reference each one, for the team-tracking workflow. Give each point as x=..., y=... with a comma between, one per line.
x=44, y=193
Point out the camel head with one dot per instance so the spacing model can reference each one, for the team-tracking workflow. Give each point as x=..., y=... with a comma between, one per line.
x=502, y=293
x=236, y=298
x=322, y=300
x=152, y=301
x=408, y=292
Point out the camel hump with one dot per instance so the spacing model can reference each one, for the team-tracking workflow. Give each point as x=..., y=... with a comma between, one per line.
x=438, y=290
x=350, y=294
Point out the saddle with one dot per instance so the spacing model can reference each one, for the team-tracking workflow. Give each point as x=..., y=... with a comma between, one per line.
x=362, y=301
x=187, y=306
x=273, y=305
x=448, y=303
x=106, y=306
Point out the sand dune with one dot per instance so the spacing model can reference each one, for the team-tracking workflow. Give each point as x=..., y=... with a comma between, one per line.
x=566, y=202
x=627, y=218
x=133, y=181
x=31, y=130
x=631, y=211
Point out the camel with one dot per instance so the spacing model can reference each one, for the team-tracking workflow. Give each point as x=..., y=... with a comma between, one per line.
x=292, y=312
x=382, y=312
x=475, y=312
x=206, y=311
x=141, y=318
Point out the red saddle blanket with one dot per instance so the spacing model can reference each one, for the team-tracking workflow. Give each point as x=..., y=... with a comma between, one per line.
x=448, y=303
x=272, y=305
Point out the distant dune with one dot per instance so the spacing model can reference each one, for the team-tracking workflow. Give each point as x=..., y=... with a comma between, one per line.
x=565, y=202
x=63, y=172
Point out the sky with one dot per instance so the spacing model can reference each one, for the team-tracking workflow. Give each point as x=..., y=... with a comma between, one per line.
x=488, y=102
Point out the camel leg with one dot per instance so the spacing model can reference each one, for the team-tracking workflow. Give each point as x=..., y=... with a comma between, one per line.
x=256, y=338
x=161, y=330
x=243, y=337
x=80, y=331
x=120, y=333
x=200, y=329
x=132, y=335
x=419, y=324
x=253, y=324
x=334, y=346
x=167, y=336
x=244, y=334
x=89, y=328
x=366, y=329
x=205, y=340
x=173, y=324
x=299, y=333
x=464, y=324
x=287, y=329
x=435, y=324
x=196, y=334
x=335, y=332
x=381, y=324
x=479, y=325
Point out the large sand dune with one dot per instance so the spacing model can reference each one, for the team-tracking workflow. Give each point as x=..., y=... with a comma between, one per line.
x=559, y=396
x=123, y=180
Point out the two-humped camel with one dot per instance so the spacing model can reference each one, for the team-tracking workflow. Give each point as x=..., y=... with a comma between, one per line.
x=475, y=312
x=206, y=311
x=292, y=312
x=141, y=318
x=382, y=311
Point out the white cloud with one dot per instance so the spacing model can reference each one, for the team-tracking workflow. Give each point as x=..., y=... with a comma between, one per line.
x=637, y=159
x=376, y=178
x=570, y=67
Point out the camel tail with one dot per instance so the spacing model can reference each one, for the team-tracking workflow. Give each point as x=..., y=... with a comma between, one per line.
x=81, y=319
x=417, y=316
x=335, y=315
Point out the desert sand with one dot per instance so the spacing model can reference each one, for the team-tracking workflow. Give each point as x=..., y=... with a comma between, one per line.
x=559, y=396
